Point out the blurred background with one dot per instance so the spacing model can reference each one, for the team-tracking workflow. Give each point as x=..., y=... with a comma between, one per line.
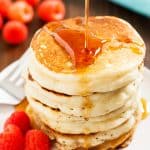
x=136, y=12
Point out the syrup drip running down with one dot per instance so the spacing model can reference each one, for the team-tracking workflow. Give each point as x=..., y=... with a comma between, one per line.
x=146, y=108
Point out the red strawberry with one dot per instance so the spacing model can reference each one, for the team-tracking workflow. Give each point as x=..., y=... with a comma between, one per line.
x=11, y=139
x=36, y=140
x=20, y=119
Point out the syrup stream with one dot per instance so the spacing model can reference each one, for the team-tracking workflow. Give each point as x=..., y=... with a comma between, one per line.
x=86, y=22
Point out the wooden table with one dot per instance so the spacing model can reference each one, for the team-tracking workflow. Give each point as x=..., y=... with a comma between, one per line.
x=74, y=8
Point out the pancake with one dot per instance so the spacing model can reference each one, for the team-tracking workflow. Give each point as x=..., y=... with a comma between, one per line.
x=52, y=67
x=76, y=125
x=99, y=140
x=92, y=105
x=83, y=84
x=106, y=27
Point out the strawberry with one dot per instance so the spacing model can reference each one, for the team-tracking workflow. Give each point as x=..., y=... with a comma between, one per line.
x=11, y=138
x=20, y=119
x=36, y=140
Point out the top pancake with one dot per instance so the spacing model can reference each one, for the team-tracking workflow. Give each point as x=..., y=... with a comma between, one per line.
x=124, y=48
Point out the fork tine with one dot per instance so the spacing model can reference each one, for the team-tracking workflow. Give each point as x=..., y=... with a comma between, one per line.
x=4, y=74
x=15, y=75
x=22, y=63
x=24, y=56
x=10, y=78
x=12, y=89
x=7, y=98
x=20, y=82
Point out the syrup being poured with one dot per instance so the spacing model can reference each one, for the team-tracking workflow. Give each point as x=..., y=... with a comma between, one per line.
x=80, y=45
x=86, y=22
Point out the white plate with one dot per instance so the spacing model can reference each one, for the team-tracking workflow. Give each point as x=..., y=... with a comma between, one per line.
x=141, y=138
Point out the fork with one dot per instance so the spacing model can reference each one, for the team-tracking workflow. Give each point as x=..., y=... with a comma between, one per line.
x=11, y=81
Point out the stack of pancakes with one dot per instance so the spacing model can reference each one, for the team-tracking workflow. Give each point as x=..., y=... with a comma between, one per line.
x=94, y=107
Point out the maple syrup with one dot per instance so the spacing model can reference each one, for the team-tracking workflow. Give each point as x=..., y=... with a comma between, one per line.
x=87, y=107
x=136, y=50
x=74, y=43
x=83, y=46
x=86, y=22
x=80, y=45
x=146, y=111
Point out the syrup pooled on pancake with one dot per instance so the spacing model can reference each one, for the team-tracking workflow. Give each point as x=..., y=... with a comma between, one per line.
x=108, y=30
x=74, y=43
x=84, y=46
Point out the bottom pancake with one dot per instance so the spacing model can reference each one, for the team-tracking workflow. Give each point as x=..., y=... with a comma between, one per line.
x=123, y=140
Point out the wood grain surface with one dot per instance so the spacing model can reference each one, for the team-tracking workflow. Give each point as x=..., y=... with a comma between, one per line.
x=9, y=53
